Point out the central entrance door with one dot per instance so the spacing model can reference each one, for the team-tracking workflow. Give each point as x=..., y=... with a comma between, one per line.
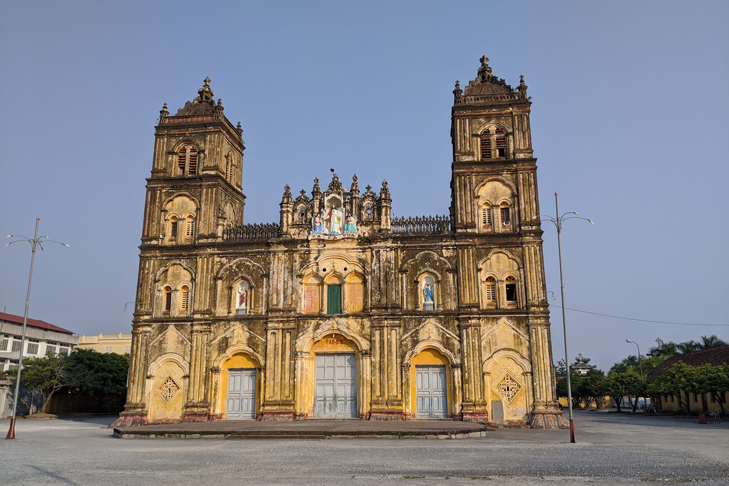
x=336, y=387
x=241, y=394
x=430, y=387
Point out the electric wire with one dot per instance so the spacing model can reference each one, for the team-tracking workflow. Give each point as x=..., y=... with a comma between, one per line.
x=641, y=320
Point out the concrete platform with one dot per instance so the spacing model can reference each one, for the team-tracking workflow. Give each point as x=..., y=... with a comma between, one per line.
x=305, y=429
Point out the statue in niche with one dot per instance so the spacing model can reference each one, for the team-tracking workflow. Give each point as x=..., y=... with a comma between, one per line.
x=334, y=220
x=350, y=224
x=241, y=299
x=317, y=225
x=428, y=301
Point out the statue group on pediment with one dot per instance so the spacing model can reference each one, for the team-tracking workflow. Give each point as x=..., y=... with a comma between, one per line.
x=333, y=223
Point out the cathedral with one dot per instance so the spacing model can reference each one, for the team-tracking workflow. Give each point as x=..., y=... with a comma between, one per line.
x=341, y=310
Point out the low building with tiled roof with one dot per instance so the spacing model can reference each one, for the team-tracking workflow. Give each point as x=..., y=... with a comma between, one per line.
x=40, y=338
x=697, y=402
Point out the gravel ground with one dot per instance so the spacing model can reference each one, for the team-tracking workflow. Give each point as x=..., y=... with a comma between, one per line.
x=611, y=449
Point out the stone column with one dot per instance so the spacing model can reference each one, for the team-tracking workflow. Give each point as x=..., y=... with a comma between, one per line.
x=135, y=410
x=197, y=408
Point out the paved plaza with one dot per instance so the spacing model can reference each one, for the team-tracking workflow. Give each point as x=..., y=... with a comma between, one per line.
x=611, y=449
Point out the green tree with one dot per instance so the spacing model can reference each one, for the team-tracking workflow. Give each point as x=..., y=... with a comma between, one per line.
x=623, y=383
x=676, y=379
x=593, y=387
x=575, y=382
x=102, y=376
x=47, y=374
x=711, y=342
x=688, y=347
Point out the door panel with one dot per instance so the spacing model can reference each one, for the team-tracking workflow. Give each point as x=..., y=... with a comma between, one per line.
x=241, y=403
x=335, y=390
x=431, y=395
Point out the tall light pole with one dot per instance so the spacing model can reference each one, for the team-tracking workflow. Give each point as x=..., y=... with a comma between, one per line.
x=557, y=221
x=34, y=243
x=640, y=363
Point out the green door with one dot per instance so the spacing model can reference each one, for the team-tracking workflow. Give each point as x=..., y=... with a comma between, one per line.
x=334, y=299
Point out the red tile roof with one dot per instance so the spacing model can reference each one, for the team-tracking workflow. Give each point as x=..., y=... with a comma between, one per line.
x=715, y=356
x=33, y=323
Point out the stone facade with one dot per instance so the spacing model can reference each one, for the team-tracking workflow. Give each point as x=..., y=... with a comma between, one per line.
x=340, y=309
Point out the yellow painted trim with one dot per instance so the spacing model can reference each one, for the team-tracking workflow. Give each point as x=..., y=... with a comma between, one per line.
x=433, y=357
x=238, y=360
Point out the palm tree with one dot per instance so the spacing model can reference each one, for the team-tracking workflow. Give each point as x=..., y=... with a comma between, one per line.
x=711, y=342
x=688, y=347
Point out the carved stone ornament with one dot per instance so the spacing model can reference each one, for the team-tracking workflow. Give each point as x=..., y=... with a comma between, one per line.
x=168, y=390
x=204, y=104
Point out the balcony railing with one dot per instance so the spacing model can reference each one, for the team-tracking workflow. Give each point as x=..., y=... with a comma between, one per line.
x=263, y=231
x=421, y=224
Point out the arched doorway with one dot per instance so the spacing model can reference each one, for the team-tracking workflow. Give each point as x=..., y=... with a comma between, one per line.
x=335, y=377
x=240, y=381
x=430, y=385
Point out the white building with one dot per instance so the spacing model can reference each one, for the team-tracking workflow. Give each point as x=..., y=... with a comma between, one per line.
x=40, y=338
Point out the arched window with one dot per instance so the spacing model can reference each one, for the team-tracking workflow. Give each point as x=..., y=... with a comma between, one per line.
x=510, y=291
x=168, y=299
x=185, y=298
x=334, y=295
x=369, y=210
x=189, y=229
x=500, y=143
x=505, y=213
x=187, y=160
x=490, y=291
x=301, y=214
x=173, y=228
x=493, y=143
x=486, y=217
x=486, y=144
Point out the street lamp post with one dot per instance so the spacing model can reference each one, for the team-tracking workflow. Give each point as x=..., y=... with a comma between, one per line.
x=557, y=221
x=640, y=363
x=34, y=243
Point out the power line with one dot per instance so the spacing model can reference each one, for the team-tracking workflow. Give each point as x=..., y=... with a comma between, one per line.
x=642, y=320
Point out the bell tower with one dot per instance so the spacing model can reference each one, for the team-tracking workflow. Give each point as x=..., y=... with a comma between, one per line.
x=195, y=189
x=494, y=209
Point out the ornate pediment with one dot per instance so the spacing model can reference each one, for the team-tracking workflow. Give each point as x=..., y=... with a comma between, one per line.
x=486, y=83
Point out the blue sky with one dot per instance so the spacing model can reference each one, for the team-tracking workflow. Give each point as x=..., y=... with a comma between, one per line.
x=629, y=124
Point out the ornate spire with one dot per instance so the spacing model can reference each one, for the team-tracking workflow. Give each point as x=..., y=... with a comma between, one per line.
x=163, y=114
x=354, y=189
x=316, y=189
x=239, y=129
x=484, y=72
x=457, y=92
x=384, y=191
x=205, y=94
x=522, y=88
x=286, y=195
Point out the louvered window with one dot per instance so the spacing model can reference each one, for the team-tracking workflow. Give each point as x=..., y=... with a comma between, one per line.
x=16, y=346
x=32, y=348
x=500, y=143
x=4, y=344
x=187, y=160
x=486, y=144
x=63, y=351
x=50, y=349
x=486, y=215
x=228, y=168
x=192, y=162
x=185, y=298
x=491, y=290
x=190, y=229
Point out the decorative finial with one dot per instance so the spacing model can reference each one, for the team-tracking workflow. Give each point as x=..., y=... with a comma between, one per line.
x=163, y=113
x=303, y=192
x=287, y=189
x=207, y=82
x=384, y=183
x=220, y=102
x=457, y=92
x=484, y=72
x=522, y=88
